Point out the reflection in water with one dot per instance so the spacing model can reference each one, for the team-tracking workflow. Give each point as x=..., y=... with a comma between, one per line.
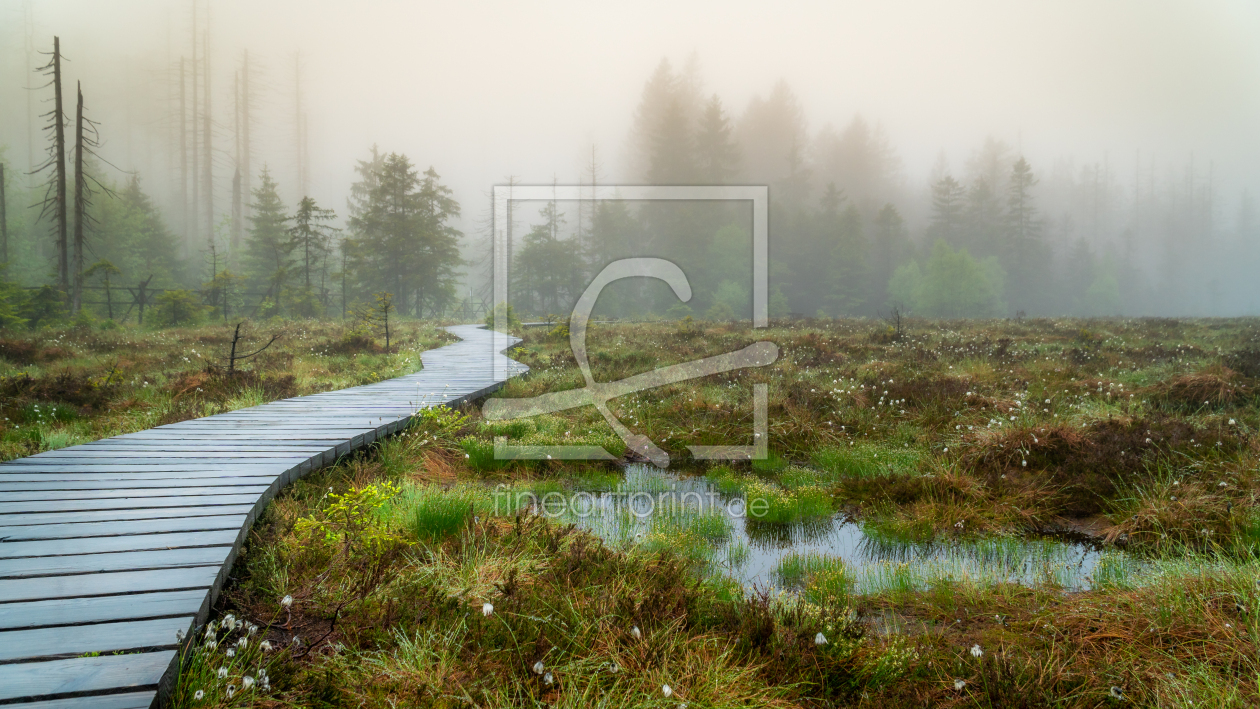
x=650, y=501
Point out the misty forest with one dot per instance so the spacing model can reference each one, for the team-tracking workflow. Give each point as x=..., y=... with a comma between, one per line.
x=1004, y=453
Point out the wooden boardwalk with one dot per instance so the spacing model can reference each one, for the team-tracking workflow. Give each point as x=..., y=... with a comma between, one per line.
x=116, y=546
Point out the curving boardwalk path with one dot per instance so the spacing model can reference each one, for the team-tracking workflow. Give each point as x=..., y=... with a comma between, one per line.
x=119, y=544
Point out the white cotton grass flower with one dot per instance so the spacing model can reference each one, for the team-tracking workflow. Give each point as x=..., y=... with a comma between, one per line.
x=286, y=602
x=266, y=645
x=667, y=690
x=212, y=645
x=199, y=695
x=1116, y=693
x=539, y=668
x=242, y=643
x=222, y=672
x=959, y=684
x=247, y=682
x=976, y=651
x=231, y=652
x=820, y=639
x=636, y=633
x=613, y=667
x=487, y=608
x=231, y=689
x=548, y=678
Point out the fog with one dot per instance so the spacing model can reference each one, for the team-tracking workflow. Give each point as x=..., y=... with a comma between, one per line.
x=1152, y=102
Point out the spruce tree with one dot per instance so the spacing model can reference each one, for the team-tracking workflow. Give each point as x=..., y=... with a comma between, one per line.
x=269, y=248
x=310, y=238
x=717, y=155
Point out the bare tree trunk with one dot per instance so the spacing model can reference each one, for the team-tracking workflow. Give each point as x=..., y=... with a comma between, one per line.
x=236, y=177
x=237, y=225
x=30, y=95
x=4, y=223
x=207, y=134
x=297, y=125
x=245, y=166
x=63, y=260
x=80, y=203
x=191, y=236
x=183, y=151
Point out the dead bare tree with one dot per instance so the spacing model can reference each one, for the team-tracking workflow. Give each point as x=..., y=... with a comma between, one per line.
x=233, y=358
x=86, y=140
x=54, y=202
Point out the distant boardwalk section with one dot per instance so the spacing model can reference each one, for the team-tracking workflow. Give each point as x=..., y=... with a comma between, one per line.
x=120, y=545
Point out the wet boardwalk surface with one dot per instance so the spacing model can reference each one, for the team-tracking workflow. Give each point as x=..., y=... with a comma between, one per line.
x=110, y=549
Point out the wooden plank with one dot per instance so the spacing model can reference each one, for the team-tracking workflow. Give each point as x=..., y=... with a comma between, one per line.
x=54, y=517
x=130, y=700
x=193, y=477
x=77, y=611
x=67, y=482
x=106, y=493
x=76, y=505
x=101, y=545
x=113, y=529
x=34, y=589
x=237, y=467
x=100, y=637
x=125, y=453
x=116, y=561
x=83, y=674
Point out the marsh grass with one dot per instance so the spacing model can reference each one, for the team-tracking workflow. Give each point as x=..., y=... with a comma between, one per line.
x=1170, y=621
x=430, y=513
x=867, y=460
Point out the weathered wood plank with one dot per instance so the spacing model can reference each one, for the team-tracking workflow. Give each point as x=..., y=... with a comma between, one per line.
x=101, y=637
x=112, y=529
x=100, y=609
x=34, y=589
x=130, y=700
x=102, y=545
x=83, y=674
x=194, y=477
x=115, y=561
x=105, y=493
x=23, y=520
x=134, y=503
x=66, y=482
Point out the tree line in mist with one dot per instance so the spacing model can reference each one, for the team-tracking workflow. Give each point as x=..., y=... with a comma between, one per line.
x=852, y=235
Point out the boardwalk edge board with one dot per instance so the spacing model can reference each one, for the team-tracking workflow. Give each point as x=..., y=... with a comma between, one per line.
x=101, y=547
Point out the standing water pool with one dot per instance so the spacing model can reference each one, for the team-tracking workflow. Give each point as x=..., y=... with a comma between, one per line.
x=722, y=529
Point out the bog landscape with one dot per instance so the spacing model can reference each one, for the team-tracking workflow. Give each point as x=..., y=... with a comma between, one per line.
x=829, y=355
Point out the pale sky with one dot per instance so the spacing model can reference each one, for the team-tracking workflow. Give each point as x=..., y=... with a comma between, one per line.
x=484, y=90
